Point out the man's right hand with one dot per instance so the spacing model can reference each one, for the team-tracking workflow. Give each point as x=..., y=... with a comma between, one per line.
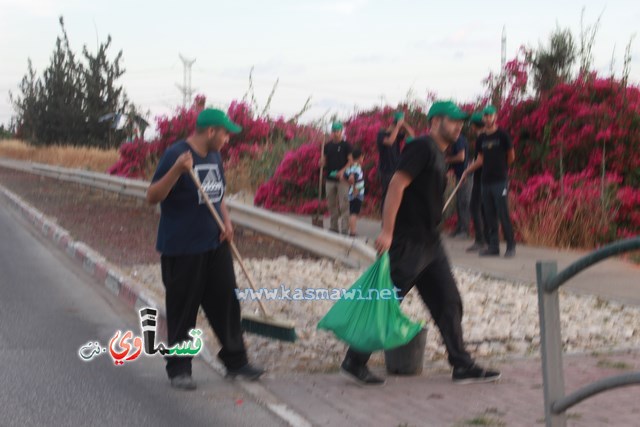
x=383, y=242
x=184, y=162
x=464, y=175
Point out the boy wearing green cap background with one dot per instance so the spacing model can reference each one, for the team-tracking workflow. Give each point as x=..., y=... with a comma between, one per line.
x=478, y=216
x=411, y=220
x=458, y=158
x=196, y=262
x=388, y=143
x=335, y=159
x=495, y=155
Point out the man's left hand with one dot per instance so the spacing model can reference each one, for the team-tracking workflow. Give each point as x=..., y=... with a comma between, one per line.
x=228, y=232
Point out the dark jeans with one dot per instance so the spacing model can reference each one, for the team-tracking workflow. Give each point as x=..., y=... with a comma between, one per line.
x=495, y=201
x=477, y=213
x=205, y=279
x=438, y=290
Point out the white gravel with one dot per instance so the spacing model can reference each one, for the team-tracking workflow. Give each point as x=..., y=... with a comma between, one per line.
x=500, y=318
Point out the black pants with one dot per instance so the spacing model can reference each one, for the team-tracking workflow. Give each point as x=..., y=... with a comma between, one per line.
x=206, y=280
x=496, y=207
x=477, y=212
x=440, y=294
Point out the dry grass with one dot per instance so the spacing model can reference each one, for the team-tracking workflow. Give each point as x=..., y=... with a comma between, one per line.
x=92, y=159
x=551, y=227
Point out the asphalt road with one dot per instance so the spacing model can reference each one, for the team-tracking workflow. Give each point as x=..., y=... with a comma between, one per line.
x=49, y=308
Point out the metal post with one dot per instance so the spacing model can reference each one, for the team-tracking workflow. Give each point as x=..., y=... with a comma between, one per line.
x=550, y=343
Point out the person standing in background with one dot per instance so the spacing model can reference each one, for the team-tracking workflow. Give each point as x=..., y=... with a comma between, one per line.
x=388, y=143
x=475, y=206
x=458, y=158
x=335, y=159
x=495, y=154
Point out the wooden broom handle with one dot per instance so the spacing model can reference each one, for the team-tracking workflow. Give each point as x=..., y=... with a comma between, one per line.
x=455, y=190
x=234, y=249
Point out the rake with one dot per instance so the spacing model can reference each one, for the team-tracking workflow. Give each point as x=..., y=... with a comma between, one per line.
x=265, y=325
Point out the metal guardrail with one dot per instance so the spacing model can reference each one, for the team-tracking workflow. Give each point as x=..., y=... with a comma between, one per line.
x=349, y=251
x=549, y=281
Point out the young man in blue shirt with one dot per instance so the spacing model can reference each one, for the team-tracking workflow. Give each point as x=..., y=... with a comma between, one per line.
x=197, y=266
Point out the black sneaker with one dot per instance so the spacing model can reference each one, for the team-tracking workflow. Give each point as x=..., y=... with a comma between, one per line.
x=183, y=382
x=474, y=374
x=360, y=374
x=247, y=372
x=489, y=252
x=510, y=253
x=475, y=247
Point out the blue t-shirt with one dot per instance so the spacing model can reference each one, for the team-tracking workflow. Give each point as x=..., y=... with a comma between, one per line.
x=186, y=225
x=457, y=147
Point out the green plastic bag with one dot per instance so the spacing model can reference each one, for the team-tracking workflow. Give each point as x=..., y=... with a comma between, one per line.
x=368, y=315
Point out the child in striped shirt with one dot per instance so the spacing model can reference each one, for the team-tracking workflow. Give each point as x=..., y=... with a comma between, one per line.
x=354, y=175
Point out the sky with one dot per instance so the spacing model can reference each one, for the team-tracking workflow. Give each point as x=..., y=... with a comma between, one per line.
x=345, y=54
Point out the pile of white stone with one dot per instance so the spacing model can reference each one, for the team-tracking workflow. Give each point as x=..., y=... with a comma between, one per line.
x=500, y=318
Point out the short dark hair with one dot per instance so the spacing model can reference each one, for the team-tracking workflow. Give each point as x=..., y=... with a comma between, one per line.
x=356, y=153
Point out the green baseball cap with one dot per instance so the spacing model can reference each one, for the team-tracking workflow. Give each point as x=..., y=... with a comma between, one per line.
x=336, y=126
x=448, y=109
x=476, y=119
x=211, y=117
x=489, y=110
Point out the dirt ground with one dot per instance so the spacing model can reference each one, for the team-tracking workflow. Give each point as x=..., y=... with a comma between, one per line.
x=121, y=228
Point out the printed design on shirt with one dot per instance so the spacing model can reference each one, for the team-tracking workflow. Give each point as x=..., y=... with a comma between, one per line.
x=490, y=144
x=211, y=180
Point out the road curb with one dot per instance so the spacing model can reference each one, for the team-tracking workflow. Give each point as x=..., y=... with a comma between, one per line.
x=135, y=297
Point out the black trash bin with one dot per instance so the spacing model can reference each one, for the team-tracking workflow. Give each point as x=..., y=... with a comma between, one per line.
x=407, y=359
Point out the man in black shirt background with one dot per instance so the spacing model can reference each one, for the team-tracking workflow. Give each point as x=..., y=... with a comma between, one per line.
x=495, y=154
x=335, y=159
x=411, y=219
x=388, y=143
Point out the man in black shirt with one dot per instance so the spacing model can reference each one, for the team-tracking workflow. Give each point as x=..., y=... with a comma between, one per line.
x=335, y=159
x=495, y=154
x=388, y=143
x=412, y=215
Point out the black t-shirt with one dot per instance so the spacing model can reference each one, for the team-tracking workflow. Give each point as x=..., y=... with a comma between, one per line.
x=494, y=148
x=420, y=211
x=416, y=236
x=186, y=225
x=336, y=155
x=389, y=155
x=458, y=146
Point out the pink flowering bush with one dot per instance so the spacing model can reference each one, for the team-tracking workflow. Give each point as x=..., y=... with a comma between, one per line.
x=294, y=185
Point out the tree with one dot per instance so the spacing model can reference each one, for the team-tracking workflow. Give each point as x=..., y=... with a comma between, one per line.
x=102, y=96
x=66, y=104
x=552, y=65
x=28, y=105
x=62, y=118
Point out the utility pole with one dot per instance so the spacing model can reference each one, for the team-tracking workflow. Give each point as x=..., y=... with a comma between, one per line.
x=503, y=61
x=186, y=88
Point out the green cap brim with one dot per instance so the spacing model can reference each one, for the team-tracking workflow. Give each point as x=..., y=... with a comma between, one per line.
x=489, y=110
x=232, y=127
